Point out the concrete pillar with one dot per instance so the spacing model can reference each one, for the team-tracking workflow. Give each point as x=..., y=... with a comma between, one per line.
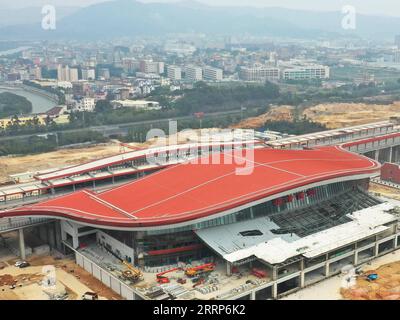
x=376, y=249
x=376, y=155
x=274, y=291
x=21, y=244
x=63, y=235
x=94, y=184
x=228, y=268
x=326, y=269
x=253, y=295
x=302, y=279
x=75, y=241
x=390, y=154
x=356, y=258
x=274, y=273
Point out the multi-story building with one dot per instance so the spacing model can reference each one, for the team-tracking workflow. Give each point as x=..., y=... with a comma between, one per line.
x=67, y=74
x=213, y=74
x=148, y=66
x=36, y=73
x=85, y=104
x=88, y=74
x=174, y=72
x=259, y=73
x=306, y=72
x=104, y=73
x=193, y=73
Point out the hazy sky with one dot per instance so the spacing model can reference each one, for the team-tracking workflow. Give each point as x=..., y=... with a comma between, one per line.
x=380, y=7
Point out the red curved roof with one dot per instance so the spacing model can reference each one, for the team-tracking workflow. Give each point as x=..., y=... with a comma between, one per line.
x=185, y=192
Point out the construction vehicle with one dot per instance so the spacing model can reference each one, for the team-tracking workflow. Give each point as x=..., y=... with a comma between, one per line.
x=204, y=268
x=90, y=296
x=162, y=279
x=132, y=274
x=258, y=273
x=198, y=282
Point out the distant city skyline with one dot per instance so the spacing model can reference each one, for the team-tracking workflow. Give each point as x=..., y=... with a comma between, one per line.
x=371, y=7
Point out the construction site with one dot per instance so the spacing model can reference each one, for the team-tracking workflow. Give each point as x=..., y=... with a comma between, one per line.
x=49, y=276
x=125, y=226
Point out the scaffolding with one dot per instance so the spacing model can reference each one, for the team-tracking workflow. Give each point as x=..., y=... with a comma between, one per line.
x=324, y=215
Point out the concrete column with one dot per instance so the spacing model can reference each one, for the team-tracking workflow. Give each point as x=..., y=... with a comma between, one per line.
x=253, y=295
x=356, y=258
x=274, y=291
x=390, y=154
x=274, y=273
x=228, y=268
x=376, y=155
x=326, y=269
x=94, y=184
x=302, y=279
x=21, y=244
x=376, y=249
x=63, y=235
x=75, y=241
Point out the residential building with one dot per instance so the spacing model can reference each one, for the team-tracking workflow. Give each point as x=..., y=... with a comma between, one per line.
x=259, y=73
x=193, y=73
x=174, y=72
x=88, y=74
x=213, y=74
x=306, y=72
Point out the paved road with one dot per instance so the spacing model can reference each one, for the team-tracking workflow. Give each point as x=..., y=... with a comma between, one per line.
x=123, y=127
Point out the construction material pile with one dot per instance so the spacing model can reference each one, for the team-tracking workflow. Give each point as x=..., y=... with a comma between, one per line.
x=385, y=287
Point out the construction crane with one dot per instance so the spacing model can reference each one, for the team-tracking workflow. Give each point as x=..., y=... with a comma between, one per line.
x=162, y=279
x=204, y=268
x=133, y=274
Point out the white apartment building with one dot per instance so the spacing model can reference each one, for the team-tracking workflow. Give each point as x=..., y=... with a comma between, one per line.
x=85, y=104
x=174, y=72
x=306, y=72
x=148, y=66
x=88, y=74
x=67, y=74
x=213, y=74
x=259, y=73
x=193, y=73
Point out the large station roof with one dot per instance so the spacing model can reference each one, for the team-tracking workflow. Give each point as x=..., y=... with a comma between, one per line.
x=186, y=192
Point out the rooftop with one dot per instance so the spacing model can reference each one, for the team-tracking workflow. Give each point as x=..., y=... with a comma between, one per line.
x=186, y=192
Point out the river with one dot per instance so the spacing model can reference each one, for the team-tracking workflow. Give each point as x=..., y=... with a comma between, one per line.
x=40, y=103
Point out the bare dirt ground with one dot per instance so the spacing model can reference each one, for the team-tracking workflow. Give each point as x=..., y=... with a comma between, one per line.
x=337, y=115
x=386, y=287
x=55, y=159
x=332, y=115
x=278, y=113
x=70, y=278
